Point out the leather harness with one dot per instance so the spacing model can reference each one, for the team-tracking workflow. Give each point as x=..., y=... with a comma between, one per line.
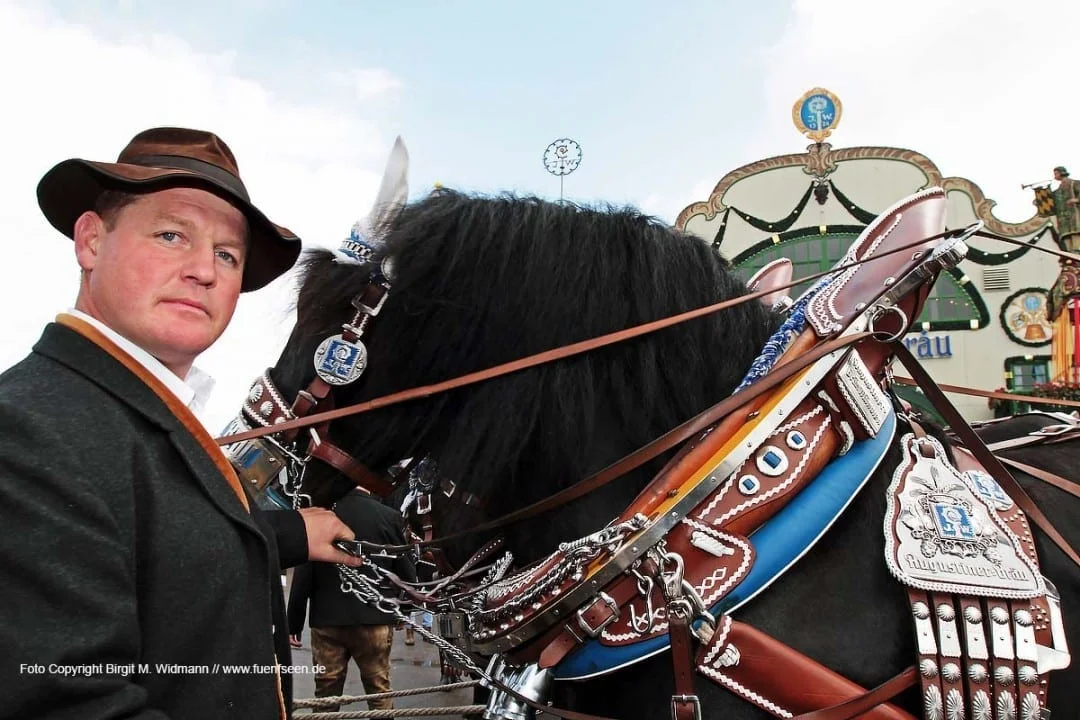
x=684, y=542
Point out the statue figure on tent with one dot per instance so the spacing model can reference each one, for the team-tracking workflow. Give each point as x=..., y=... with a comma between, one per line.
x=1067, y=209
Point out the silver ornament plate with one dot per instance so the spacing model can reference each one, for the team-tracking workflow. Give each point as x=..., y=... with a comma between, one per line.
x=339, y=361
x=942, y=534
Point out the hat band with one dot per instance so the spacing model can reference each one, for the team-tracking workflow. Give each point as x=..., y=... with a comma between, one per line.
x=199, y=167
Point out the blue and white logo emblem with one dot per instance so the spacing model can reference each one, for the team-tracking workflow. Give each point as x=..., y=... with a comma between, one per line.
x=953, y=522
x=338, y=361
x=989, y=489
x=817, y=113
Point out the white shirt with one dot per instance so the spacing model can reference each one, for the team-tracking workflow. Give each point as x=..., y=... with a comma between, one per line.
x=193, y=390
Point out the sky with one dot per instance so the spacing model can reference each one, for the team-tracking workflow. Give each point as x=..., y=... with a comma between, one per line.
x=664, y=98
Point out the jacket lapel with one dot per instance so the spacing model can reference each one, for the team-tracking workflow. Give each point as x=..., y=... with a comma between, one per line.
x=79, y=346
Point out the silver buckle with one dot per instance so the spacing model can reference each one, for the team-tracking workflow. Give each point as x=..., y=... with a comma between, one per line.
x=367, y=309
x=423, y=504
x=692, y=699
x=595, y=631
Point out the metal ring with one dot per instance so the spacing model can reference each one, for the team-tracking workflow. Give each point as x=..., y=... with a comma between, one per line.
x=878, y=312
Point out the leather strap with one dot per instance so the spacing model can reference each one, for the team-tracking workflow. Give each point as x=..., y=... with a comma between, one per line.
x=975, y=445
x=864, y=703
x=780, y=679
x=348, y=466
x=1045, y=475
x=564, y=351
x=963, y=390
x=684, y=703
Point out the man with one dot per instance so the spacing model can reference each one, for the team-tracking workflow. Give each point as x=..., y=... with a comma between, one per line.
x=1067, y=199
x=140, y=580
x=342, y=626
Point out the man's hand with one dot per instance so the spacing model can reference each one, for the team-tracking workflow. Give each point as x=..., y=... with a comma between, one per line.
x=1072, y=201
x=323, y=528
x=294, y=640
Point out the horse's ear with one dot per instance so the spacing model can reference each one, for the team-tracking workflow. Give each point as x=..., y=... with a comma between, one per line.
x=367, y=234
x=776, y=274
x=394, y=189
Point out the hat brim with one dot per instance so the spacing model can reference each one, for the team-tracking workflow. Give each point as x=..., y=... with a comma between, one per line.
x=73, y=186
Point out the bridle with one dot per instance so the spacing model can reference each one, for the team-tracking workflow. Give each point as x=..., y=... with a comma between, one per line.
x=661, y=567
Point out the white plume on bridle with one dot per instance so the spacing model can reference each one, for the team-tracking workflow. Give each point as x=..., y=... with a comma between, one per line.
x=393, y=194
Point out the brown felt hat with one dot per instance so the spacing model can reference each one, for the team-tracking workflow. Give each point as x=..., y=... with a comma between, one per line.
x=163, y=158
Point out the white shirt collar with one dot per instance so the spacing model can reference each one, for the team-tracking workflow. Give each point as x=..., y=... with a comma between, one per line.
x=193, y=391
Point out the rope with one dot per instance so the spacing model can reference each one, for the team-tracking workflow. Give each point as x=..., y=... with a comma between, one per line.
x=396, y=713
x=346, y=699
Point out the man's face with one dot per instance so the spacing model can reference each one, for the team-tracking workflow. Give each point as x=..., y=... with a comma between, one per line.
x=1058, y=176
x=167, y=274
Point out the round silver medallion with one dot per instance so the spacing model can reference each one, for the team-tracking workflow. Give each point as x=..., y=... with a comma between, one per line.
x=386, y=267
x=977, y=673
x=928, y=668
x=1028, y=675
x=999, y=615
x=1003, y=675
x=339, y=361
x=1023, y=617
x=972, y=614
x=920, y=610
x=946, y=612
x=951, y=672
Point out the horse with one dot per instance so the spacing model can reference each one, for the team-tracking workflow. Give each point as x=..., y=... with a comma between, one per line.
x=482, y=280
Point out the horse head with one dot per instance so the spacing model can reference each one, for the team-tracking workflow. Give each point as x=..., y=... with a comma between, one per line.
x=479, y=281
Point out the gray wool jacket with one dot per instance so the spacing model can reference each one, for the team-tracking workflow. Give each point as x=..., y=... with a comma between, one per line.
x=135, y=584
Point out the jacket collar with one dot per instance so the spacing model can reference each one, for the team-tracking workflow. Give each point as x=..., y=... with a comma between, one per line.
x=101, y=362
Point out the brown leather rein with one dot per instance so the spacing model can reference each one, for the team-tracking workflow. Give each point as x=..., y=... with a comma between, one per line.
x=568, y=350
x=678, y=434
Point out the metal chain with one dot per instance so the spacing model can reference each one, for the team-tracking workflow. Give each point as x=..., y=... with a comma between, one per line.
x=358, y=584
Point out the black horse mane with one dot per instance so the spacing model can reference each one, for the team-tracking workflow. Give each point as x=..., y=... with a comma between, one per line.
x=480, y=281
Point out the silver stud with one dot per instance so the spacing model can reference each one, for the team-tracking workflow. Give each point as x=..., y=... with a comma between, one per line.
x=946, y=612
x=980, y=706
x=977, y=673
x=920, y=609
x=932, y=703
x=999, y=615
x=1006, y=706
x=256, y=393
x=1029, y=707
x=951, y=672
x=266, y=408
x=279, y=420
x=1023, y=617
x=954, y=705
x=973, y=615
x=1003, y=676
x=928, y=668
x=1028, y=675
x=889, y=281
